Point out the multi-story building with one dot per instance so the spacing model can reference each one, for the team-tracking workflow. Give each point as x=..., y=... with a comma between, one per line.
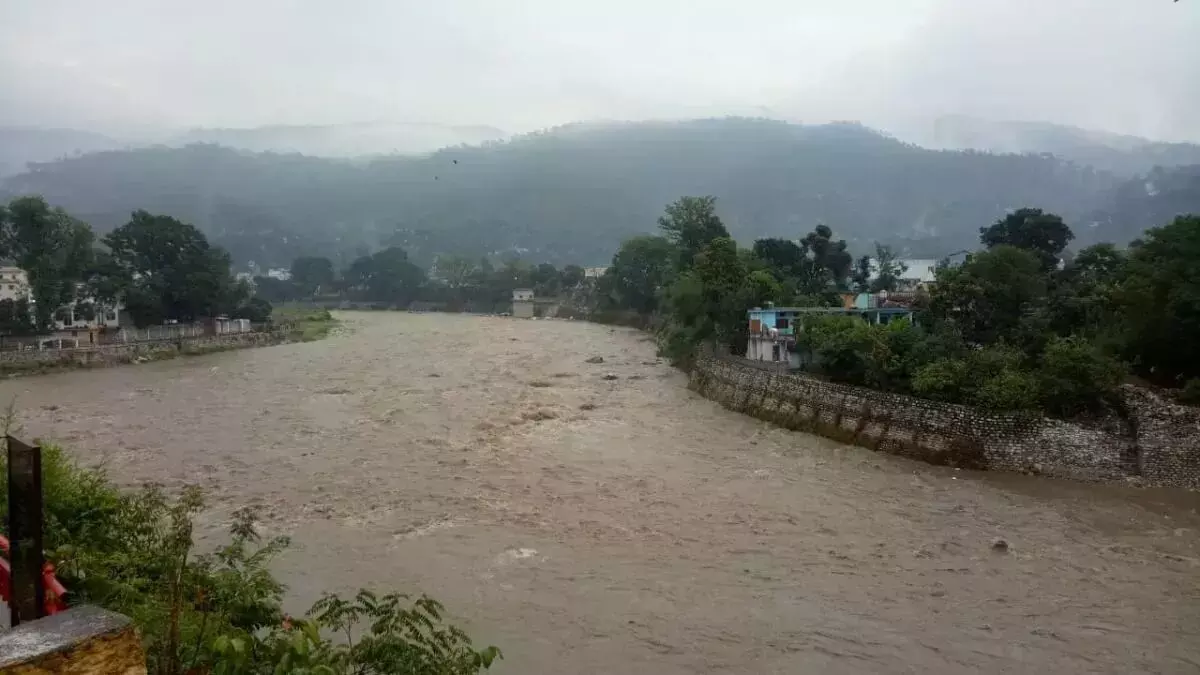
x=14, y=284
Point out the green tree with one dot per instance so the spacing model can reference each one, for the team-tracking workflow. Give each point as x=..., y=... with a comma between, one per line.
x=571, y=276
x=690, y=223
x=545, y=279
x=311, y=274
x=721, y=273
x=1043, y=234
x=53, y=248
x=175, y=273
x=889, y=268
x=386, y=276
x=782, y=255
x=1158, y=302
x=1074, y=376
x=829, y=255
x=988, y=296
x=16, y=318
x=640, y=268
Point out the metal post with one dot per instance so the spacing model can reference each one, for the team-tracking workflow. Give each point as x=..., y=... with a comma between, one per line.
x=25, y=530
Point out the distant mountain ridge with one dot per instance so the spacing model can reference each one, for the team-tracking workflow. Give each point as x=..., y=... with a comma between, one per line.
x=345, y=140
x=571, y=194
x=20, y=145
x=1120, y=153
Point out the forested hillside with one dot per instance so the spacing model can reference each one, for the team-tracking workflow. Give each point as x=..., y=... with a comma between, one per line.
x=573, y=193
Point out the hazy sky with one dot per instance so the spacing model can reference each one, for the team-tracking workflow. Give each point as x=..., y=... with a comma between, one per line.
x=1124, y=65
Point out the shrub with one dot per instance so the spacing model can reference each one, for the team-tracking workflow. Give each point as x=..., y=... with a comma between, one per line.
x=1007, y=391
x=940, y=380
x=1074, y=376
x=131, y=552
x=842, y=345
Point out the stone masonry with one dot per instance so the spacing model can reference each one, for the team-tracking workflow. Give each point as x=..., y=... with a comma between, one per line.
x=1159, y=443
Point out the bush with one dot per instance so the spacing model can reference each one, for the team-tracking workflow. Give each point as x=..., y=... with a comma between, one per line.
x=131, y=552
x=1075, y=377
x=842, y=345
x=1007, y=391
x=941, y=380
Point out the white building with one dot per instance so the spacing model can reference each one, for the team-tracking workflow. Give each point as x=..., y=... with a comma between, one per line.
x=280, y=274
x=594, y=272
x=522, y=303
x=14, y=284
x=917, y=272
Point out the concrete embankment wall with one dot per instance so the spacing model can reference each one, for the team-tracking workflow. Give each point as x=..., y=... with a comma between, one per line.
x=113, y=354
x=1159, y=443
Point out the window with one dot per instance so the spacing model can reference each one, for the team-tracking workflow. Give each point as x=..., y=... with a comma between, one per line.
x=781, y=322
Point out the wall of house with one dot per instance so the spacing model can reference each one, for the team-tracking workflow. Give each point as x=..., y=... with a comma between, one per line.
x=522, y=309
x=1161, y=444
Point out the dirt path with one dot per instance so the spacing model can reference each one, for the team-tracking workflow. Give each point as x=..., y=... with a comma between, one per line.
x=626, y=525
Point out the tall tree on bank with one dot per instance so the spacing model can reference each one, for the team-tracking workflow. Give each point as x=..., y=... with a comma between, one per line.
x=1043, y=234
x=690, y=223
x=1159, y=301
x=53, y=248
x=311, y=274
x=639, y=270
x=171, y=270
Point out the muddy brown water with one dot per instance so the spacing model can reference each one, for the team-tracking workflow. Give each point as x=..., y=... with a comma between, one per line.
x=592, y=525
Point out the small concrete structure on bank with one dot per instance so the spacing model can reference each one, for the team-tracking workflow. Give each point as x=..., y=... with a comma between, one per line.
x=523, y=303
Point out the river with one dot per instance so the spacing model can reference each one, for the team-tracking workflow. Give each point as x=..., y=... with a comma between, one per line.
x=601, y=518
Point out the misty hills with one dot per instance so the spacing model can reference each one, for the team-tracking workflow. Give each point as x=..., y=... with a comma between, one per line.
x=571, y=194
x=22, y=145
x=345, y=140
x=1119, y=153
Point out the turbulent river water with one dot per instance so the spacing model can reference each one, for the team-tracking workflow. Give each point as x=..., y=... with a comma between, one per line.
x=601, y=518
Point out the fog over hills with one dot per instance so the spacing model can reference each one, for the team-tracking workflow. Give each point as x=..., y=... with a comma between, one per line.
x=571, y=194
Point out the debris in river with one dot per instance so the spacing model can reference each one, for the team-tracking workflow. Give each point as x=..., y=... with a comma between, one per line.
x=999, y=545
x=596, y=359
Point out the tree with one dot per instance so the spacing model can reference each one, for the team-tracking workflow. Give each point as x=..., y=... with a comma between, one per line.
x=1158, y=302
x=722, y=274
x=783, y=255
x=15, y=317
x=571, y=276
x=386, y=276
x=861, y=277
x=545, y=279
x=989, y=295
x=829, y=255
x=53, y=248
x=175, y=273
x=310, y=274
x=690, y=223
x=1043, y=234
x=640, y=268
x=889, y=269
x=456, y=271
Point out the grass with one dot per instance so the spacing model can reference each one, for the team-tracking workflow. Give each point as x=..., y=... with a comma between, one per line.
x=306, y=324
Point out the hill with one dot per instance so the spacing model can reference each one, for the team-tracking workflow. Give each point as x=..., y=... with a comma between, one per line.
x=344, y=140
x=1118, y=153
x=571, y=194
x=20, y=145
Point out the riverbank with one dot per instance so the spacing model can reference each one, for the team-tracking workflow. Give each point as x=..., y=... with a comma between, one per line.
x=1159, y=446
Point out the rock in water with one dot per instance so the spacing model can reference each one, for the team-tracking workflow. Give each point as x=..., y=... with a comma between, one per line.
x=999, y=545
x=596, y=359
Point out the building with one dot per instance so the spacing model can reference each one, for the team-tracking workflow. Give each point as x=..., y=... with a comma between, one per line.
x=523, y=303
x=75, y=316
x=14, y=284
x=918, y=272
x=594, y=272
x=772, y=331
x=280, y=274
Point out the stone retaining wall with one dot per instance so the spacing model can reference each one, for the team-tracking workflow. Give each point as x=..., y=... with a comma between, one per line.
x=33, y=360
x=1160, y=442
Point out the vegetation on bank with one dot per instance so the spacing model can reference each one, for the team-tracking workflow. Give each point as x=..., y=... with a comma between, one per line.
x=220, y=612
x=303, y=324
x=1009, y=329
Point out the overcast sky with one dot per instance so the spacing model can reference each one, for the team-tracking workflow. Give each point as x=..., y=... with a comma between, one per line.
x=1124, y=65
